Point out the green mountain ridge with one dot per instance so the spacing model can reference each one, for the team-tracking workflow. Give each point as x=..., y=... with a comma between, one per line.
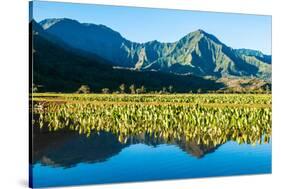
x=59, y=68
x=198, y=53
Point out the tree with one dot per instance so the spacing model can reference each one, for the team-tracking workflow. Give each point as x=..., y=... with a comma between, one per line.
x=105, y=90
x=122, y=88
x=34, y=88
x=164, y=90
x=138, y=91
x=267, y=89
x=143, y=89
x=199, y=91
x=132, y=89
x=170, y=88
x=84, y=89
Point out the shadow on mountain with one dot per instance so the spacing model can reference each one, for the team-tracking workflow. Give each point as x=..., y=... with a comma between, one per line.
x=196, y=53
x=59, y=68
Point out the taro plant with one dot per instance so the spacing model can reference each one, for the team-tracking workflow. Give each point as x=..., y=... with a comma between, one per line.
x=206, y=119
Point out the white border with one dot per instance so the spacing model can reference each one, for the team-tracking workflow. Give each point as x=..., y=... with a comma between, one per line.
x=14, y=92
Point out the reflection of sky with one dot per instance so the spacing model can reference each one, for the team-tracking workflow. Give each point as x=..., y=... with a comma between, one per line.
x=142, y=25
x=140, y=162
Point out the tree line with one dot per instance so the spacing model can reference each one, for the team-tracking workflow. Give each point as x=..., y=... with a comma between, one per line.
x=133, y=89
x=123, y=89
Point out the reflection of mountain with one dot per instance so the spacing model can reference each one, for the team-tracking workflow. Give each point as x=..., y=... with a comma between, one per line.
x=197, y=150
x=190, y=147
x=66, y=149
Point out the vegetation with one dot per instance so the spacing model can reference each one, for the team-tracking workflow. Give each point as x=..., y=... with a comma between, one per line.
x=208, y=119
x=34, y=88
x=122, y=88
x=202, y=99
x=132, y=89
x=105, y=90
x=84, y=89
x=154, y=105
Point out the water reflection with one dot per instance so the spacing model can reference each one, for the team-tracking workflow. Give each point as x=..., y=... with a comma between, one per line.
x=67, y=149
x=66, y=158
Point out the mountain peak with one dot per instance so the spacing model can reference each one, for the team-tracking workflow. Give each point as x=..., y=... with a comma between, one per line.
x=49, y=22
x=200, y=31
x=194, y=36
x=203, y=33
x=153, y=42
x=64, y=23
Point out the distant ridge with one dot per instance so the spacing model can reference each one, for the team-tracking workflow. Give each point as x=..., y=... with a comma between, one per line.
x=61, y=68
x=198, y=53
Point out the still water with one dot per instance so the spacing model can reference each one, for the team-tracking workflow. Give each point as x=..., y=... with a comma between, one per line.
x=62, y=159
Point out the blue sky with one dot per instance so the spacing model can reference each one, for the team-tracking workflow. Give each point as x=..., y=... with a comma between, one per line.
x=165, y=25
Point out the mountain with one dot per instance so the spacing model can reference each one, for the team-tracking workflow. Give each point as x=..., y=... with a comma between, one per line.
x=198, y=53
x=57, y=67
x=97, y=39
x=257, y=54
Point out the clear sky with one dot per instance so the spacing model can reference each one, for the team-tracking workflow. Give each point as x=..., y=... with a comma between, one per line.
x=165, y=25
